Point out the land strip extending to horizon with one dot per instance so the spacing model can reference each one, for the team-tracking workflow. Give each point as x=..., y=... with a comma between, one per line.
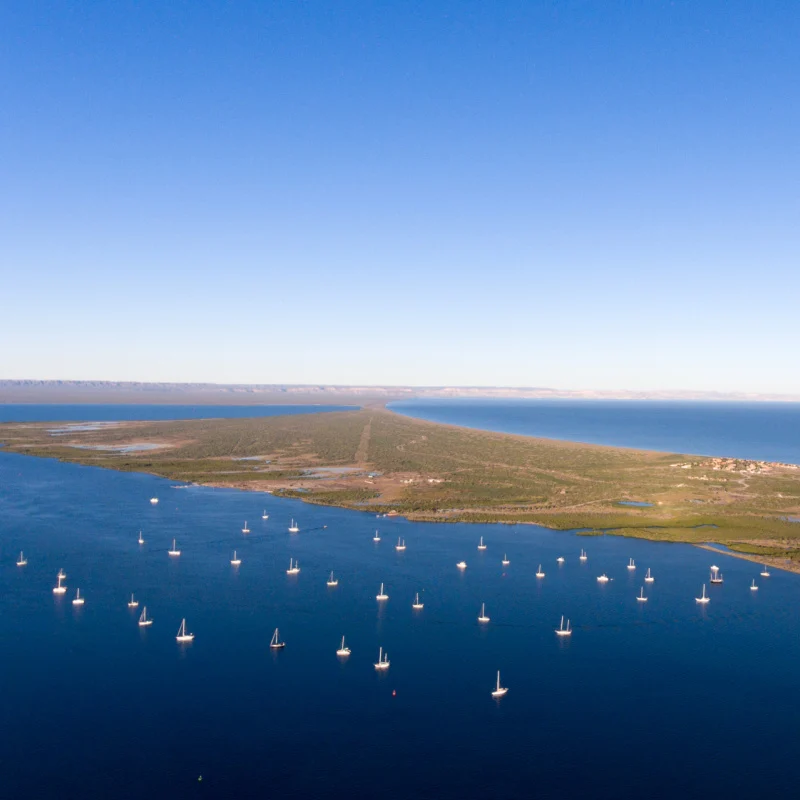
x=374, y=460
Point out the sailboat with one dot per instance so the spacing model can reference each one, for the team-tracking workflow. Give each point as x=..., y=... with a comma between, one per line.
x=293, y=528
x=21, y=561
x=482, y=617
x=539, y=573
x=141, y=540
x=275, y=643
x=133, y=603
x=583, y=556
x=631, y=564
x=381, y=595
x=143, y=620
x=174, y=551
x=499, y=690
x=383, y=660
x=376, y=537
x=603, y=578
x=481, y=545
x=563, y=630
x=401, y=544
x=235, y=561
x=716, y=575
x=753, y=587
x=641, y=598
x=78, y=601
x=416, y=605
x=59, y=588
x=265, y=515
x=245, y=529
x=703, y=598
x=343, y=651
x=154, y=501
x=648, y=577
x=294, y=567
x=182, y=635
x=332, y=581
x=506, y=562
x=765, y=572
x=462, y=565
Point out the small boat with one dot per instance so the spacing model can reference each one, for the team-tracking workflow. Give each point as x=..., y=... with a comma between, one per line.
x=133, y=603
x=765, y=572
x=332, y=581
x=182, y=635
x=482, y=616
x=275, y=643
x=563, y=630
x=383, y=660
x=648, y=577
x=294, y=567
x=641, y=598
x=143, y=620
x=481, y=545
x=154, y=501
x=603, y=578
x=235, y=561
x=716, y=575
x=703, y=598
x=294, y=528
x=59, y=588
x=753, y=587
x=631, y=564
x=174, y=552
x=560, y=560
x=506, y=562
x=401, y=544
x=539, y=573
x=499, y=690
x=245, y=529
x=141, y=540
x=381, y=595
x=583, y=556
x=265, y=515
x=416, y=605
x=462, y=565
x=343, y=651
x=376, y=537
x=78, y=601
x=21, y=561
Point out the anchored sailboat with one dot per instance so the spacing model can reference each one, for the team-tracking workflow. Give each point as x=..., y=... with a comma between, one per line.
x=499, y=690
x=332, y=581
x=133, y=603
x=648, y=577
x=174, y=551
x=401, y=544
x=59, y=588
x=539, y=573
x=563, y=630
x=641, y=598
x=21, y=561
x=143, y=619
x=417, y=605
x=265, y=515
x=703, y=599
x=78, y=601
x=294, y=567
x=245, y=529
x=383, y=660
x=631, y=564
x=583, y=556
x=481, y=545
x=182, y=635
x=343, y=651
x=235, y=561
x=294, y=528
x=376, y=537
x=275, y=643
x=505, y=562
x=482, y=616
x=141, y=540
x=381, y=595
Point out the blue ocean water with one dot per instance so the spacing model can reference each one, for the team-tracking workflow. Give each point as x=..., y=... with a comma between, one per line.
x=119, y=412
x=664, y=698
x=759, y=431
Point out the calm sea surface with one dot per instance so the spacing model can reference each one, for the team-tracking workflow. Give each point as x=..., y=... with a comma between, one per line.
x=664, y=698
x=97, y=412
x=760, y=431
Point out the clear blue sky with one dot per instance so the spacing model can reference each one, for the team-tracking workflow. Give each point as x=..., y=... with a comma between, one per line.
x=574, y=194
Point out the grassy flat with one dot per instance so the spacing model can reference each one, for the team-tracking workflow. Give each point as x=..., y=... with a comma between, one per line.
x=385, y=463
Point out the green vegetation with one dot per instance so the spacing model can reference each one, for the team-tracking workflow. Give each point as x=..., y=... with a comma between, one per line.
x=437, y=472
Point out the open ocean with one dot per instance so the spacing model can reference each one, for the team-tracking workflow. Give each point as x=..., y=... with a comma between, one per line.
x=758, y=431
x=661, y=699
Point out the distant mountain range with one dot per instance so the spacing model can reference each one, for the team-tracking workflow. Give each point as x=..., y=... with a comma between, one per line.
x=38, y=391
